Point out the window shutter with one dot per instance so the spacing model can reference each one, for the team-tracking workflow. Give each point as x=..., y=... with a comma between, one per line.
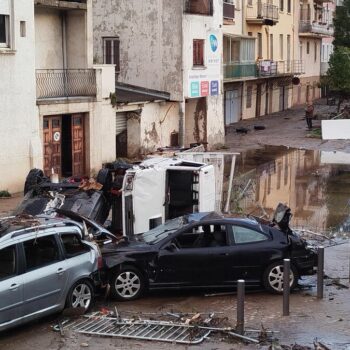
x=116, y=54
x=4, y=7
x=108, y=55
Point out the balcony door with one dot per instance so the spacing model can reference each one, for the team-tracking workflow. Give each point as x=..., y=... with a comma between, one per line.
x=64, y=150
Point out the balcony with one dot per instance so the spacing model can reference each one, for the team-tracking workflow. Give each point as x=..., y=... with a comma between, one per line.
x=297, y=67
x=62, y=4
x=237, y=70
x=64, y=83
x=309, y=27
x=262, y=14
x=228, y=11
x=199, y=7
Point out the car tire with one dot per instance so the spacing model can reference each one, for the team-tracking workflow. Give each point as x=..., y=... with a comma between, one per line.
x=34, y=177
x=273, y=277
x=104, y=177
x=127, y=283
x=81, y=295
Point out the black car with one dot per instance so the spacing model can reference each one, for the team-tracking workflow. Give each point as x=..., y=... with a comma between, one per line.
x=205, y=250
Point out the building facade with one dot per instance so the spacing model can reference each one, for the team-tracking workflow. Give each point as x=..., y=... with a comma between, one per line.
x=177, y=52
x=64, y=120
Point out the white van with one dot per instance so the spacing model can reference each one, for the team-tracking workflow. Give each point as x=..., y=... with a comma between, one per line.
x=160, y=189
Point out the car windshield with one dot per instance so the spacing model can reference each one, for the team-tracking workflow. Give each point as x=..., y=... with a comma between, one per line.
x=160, y=232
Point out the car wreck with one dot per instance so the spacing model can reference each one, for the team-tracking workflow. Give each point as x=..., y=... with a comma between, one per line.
x=207, y=250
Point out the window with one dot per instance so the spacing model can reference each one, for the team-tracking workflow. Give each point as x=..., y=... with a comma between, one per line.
x=281, y=46
x=111, y=52
x=23, y=29
x=202, y=236
x=41, y=252
x=259, y=45
x=7, y=262
x=289, y=6
x=4, y=31
x=315, y=51
x=281, y=5
x=271, y=46
x=249, y=96
x=243, y=235
x=250, y=2
x=198, y=52
x=307, y=48
x=199, y=7
x=73, y=245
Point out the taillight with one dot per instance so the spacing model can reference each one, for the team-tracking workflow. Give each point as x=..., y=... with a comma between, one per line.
x=99, y=262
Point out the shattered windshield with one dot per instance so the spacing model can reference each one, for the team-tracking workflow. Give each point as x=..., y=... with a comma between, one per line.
x=160, y=232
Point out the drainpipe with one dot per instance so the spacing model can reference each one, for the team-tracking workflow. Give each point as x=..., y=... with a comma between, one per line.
x=64, y=39
x=182, y=107
x=243, y=16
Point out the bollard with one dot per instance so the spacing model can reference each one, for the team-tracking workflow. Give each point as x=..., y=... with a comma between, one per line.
x=320, y=272
x=240, y=306
x=286, y=286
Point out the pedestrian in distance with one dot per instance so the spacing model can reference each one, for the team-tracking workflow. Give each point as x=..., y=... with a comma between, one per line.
x=309, y=114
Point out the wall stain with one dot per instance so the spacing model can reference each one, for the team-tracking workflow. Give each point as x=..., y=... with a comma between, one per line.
x=200, y=121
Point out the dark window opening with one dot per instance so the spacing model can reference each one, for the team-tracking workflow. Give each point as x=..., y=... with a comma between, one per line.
x=111, y=52
x=199, y=7
x=198, y=52
x=7, y=262
x=73, y=245
x=4, y=30
x=67, y=168
x=243, y=235
x=41, y=252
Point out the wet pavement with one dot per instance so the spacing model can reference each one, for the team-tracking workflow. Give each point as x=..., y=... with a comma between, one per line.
x=308, y=176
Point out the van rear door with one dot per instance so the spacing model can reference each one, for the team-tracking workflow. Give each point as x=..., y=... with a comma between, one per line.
x=206, y=189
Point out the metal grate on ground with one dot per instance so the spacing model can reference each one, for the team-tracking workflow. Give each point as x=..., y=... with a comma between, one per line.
x=138, y=329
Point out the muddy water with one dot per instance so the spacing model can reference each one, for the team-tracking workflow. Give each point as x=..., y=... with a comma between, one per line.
x=314, y=184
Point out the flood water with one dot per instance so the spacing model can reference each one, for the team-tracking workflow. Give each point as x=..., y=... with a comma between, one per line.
x=314, y=184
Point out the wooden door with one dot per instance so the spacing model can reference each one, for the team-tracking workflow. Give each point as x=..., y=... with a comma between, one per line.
x=52, y=130
x=258, y=101
x=78, y=149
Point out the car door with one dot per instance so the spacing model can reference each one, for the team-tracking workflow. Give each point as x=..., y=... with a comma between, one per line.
x=80, y=259
x=11, y=286
x=45, y=276
x=181, y=262
x=251, y=250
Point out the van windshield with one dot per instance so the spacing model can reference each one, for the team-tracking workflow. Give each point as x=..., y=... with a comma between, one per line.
x=162, y=231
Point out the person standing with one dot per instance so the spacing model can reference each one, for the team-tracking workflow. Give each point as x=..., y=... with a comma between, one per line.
x=309, y=114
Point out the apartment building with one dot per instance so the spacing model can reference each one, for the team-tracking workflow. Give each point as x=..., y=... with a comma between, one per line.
x=314, y=19
x=169, y=51
x=57, y=113
x=258, y=59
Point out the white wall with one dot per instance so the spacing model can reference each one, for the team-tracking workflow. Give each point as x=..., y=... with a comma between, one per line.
x=18, y=126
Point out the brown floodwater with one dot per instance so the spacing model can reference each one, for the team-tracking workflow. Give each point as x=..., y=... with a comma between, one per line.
x=314, y=184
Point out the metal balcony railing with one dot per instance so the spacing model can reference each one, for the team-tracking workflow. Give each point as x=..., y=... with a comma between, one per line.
x=297, y=67
x=268, y=68
x=58, y=83
x=236, y=70
x=262, y=13
x=308, y=26
x=229, y=10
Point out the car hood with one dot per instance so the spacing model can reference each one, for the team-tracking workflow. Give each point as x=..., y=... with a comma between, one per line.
x=125, y=247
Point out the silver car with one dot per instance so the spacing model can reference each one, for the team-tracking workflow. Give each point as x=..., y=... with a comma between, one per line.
x=45, y=266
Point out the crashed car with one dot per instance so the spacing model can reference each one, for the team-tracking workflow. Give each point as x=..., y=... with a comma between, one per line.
x=206, y=250
x=87, y=197
x=46, y=264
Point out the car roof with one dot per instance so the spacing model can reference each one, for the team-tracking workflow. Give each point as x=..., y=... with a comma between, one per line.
x=215, y=216
x=14, y=226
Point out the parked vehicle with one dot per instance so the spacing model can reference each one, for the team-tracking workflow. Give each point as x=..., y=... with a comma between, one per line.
x=205, y=250
x=45, y=266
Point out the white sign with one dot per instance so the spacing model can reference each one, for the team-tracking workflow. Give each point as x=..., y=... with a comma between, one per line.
x=205, y=82
x=57, y=136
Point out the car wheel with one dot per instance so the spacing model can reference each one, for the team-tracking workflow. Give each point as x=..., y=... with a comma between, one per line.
x=34, y=177
x=127, y=283
x=273, y=277
x=81, y=295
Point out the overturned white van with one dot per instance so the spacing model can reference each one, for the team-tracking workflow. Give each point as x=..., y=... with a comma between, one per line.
x=160, y=189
